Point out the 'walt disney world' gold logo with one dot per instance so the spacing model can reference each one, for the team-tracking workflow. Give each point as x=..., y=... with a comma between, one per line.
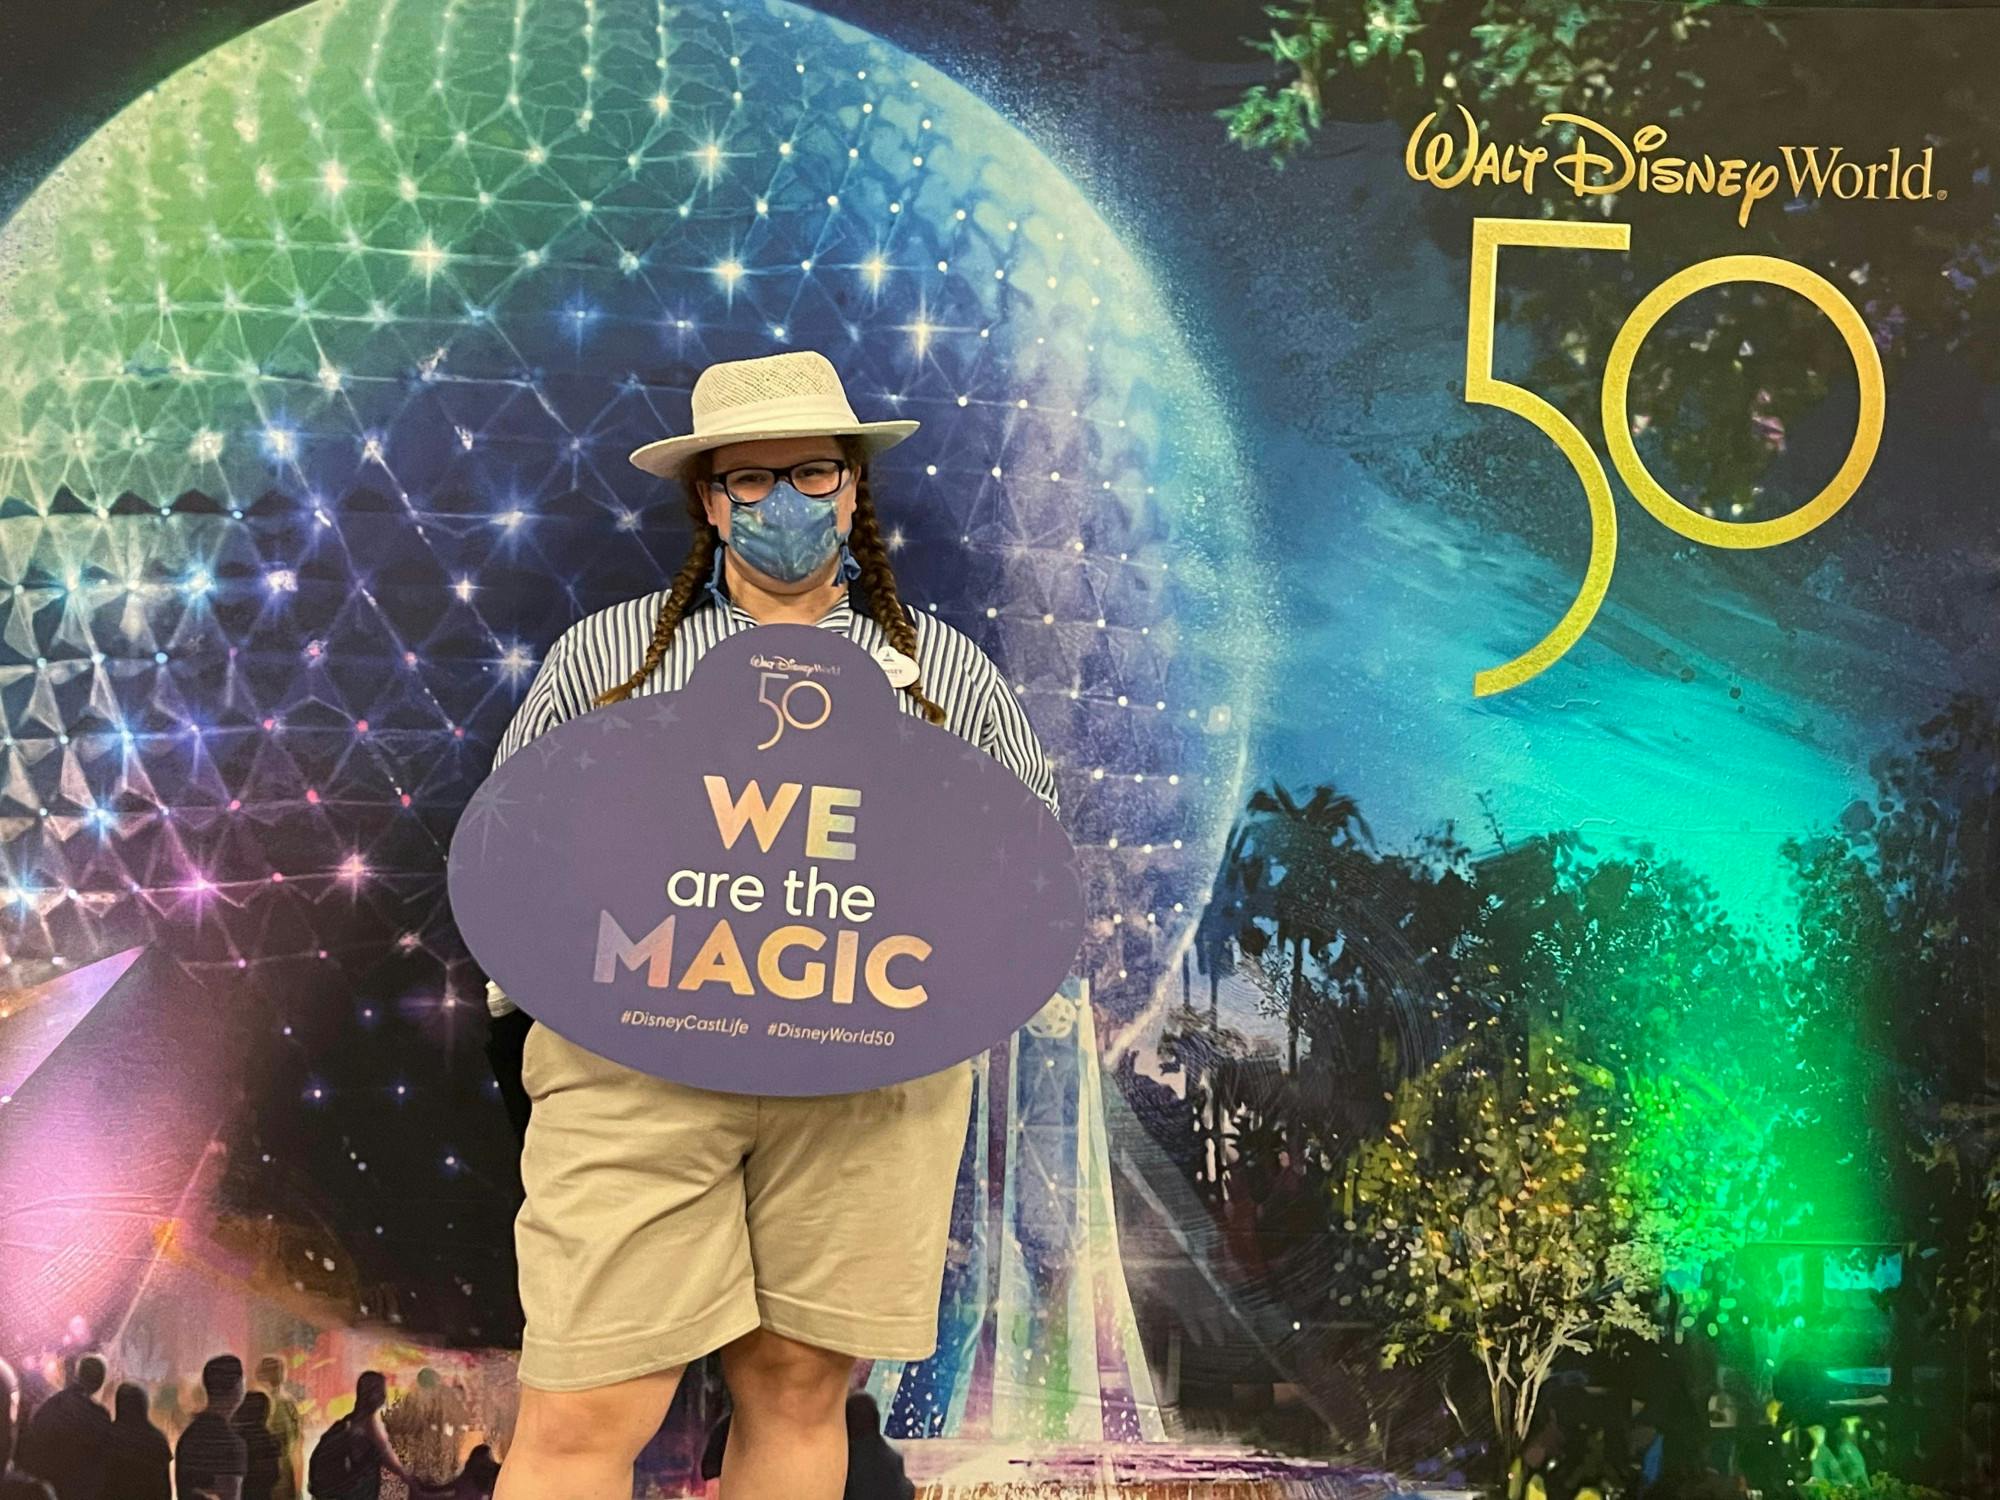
x=1598, y=161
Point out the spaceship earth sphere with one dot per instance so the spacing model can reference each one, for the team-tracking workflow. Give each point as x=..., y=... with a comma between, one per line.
x=319, y=365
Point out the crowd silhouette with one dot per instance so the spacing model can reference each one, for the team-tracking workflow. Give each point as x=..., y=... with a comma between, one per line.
x=94, y=1438
x=14, y=1484
x=244, y=1443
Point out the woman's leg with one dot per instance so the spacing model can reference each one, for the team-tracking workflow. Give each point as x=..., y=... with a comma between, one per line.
x=581, y=1445
x=633, y=1253
x=788, y=1423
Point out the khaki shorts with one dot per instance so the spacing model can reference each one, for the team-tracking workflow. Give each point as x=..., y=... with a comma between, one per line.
x=662, y=1221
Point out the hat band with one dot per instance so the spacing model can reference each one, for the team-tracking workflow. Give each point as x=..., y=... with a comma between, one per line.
x=813, y=410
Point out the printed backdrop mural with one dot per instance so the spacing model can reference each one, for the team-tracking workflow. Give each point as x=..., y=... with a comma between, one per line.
x=1489, y=514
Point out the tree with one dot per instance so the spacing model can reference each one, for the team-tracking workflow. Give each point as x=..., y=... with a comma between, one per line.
x=1234, y=902
x=1203, y=1053
x=1714, y=404
x=1312, y=847
x=1901, y=924
x=1498, y=1222
x=1239, y=896
x=1703, y=1047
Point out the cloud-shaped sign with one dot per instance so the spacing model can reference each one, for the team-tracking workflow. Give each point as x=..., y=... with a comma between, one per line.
x=774, y=881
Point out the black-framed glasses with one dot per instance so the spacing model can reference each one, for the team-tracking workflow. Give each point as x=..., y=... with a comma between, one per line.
x=817, y=477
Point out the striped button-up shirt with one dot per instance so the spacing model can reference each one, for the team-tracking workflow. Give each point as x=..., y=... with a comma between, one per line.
x=605, y=648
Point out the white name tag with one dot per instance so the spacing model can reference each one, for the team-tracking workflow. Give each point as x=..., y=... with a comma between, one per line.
x=898, y=668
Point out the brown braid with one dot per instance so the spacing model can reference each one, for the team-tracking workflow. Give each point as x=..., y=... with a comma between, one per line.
x=692, y=576
x=877, y=579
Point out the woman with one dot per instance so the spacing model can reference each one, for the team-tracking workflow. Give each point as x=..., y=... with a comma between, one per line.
x=796, y=1235
x=359, y=1450
x=135, y=1463
x=424, y=1431
x=287, y=1429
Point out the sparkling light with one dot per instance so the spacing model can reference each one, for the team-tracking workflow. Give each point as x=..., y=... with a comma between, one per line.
x=367, y=372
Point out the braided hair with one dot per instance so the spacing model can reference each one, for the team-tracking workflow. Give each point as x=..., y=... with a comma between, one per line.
x=876, y=581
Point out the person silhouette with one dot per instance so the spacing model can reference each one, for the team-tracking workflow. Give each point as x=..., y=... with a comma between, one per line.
x=287, y=1427
x=423, y=1426
x=135, y=1465
x=64, y=1441
x=211, y=1460
x=476, y=1480
x=874, y=1469
x=14, y=1484
x=253, y=1424
x=370, y=1450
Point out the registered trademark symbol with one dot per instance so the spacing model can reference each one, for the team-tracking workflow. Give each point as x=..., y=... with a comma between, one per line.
x=1941, y=194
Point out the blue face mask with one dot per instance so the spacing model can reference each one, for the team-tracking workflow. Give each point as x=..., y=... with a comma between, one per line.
x=786, y=535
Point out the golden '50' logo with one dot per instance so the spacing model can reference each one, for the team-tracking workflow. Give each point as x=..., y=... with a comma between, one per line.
x=1481, y=387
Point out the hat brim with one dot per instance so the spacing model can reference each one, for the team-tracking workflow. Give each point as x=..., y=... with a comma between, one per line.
x=666, y=455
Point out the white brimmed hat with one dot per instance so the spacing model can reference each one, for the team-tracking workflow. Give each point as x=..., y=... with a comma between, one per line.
x=794, y=394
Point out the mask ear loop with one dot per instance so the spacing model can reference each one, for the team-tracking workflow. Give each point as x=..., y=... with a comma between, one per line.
x=715, y=577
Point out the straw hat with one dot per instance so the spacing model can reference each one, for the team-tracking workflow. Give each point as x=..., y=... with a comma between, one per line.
x=794, y=394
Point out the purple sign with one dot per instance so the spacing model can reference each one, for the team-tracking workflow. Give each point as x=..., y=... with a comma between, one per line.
x=774, y=881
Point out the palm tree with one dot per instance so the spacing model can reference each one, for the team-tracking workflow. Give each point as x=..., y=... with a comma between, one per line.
x=1313, y=846
x=1239, y=896
x=1234, y=901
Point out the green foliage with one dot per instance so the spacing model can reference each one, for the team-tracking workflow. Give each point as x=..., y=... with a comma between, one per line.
x=1879, y=1487
x=1701, y=1052
x=1307, y=44
x=1544, y=1077
x=1292, y=875
x=1965, y=1172
x=1494, y=1205
x=1713, y=401
x=1706, y=1050
x=1903, y=912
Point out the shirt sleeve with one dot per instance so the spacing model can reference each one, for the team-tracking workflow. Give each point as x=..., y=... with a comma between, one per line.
x=1006, y=735
x=542, y=709
x=539, y=712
